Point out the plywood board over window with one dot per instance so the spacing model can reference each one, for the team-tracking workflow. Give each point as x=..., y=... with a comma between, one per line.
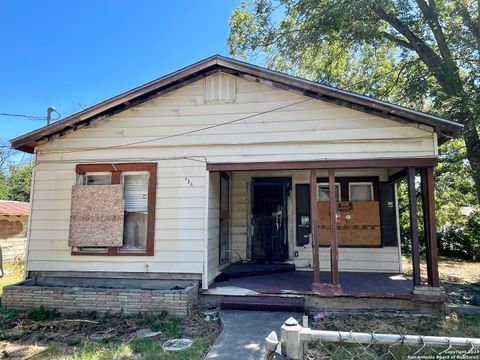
x=97, y=216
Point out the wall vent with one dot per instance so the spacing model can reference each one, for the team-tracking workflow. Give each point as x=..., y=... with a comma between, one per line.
x=220, y=88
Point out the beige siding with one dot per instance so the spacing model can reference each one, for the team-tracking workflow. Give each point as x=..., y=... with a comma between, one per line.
x=291, y=127
x=178, y=222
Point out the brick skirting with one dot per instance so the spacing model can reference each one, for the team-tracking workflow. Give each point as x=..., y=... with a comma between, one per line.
x=28, y=295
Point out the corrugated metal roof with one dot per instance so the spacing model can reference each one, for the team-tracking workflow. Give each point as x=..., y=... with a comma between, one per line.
x=14, y=208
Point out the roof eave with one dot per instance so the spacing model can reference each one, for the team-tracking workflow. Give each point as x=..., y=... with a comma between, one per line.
x=445, y=128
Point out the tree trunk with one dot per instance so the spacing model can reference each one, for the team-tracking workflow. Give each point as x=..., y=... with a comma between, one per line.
x=472, y=143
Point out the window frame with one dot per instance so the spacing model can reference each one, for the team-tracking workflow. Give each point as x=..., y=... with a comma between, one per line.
x=337, y=185
x=116, y=170
x=372, y=192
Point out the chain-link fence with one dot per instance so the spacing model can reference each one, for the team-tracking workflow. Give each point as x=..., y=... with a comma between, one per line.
x=303, y=343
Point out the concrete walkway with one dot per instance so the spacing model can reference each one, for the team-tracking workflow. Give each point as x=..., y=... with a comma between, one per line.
x=244, y=332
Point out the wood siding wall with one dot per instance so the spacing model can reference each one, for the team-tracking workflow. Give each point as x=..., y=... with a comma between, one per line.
x=310, y=130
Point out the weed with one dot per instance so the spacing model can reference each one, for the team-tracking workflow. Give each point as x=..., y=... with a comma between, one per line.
x=43, y=314
x=7, y=317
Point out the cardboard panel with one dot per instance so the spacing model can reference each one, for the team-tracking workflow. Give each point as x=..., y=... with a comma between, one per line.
x=96, y=217
x=362, y=230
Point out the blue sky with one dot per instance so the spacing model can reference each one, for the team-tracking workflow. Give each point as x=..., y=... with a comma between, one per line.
x=72, y=54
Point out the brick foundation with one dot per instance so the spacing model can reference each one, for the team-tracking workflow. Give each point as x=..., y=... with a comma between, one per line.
x=85, y=299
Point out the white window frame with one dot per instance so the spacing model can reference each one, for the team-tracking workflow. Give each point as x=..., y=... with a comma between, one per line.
x=337, y=185
x=82, y=179
x=360, y=183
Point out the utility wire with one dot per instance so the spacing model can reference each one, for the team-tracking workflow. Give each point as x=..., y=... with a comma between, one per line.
x=178, y=134
x=30, y=117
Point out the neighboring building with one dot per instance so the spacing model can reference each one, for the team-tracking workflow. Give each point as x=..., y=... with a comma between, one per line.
x=13, y=229
x=221, y=161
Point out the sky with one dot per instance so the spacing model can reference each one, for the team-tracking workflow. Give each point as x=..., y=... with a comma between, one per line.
x=73, y=54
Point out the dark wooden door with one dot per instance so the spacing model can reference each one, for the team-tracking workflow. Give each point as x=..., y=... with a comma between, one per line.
x=269, y=221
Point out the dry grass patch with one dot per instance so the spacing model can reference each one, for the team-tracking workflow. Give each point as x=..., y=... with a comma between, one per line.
x=14, y=274
x=449, y=269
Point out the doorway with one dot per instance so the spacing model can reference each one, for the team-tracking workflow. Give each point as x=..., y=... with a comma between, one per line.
x=269, y=219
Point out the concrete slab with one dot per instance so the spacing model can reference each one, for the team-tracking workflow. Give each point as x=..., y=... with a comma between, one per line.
x=244, y=332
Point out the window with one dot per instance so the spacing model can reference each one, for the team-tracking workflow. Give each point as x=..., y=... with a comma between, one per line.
x=360, y=191
x=324, y=192
x=138, y=181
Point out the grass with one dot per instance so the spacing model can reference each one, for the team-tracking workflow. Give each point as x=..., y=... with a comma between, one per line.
x=46, y=334
x=449, y=269
x=451, y=326
x=15, y=276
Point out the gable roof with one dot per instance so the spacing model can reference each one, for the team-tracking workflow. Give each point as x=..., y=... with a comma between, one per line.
x=444, y=128
x=8, y=207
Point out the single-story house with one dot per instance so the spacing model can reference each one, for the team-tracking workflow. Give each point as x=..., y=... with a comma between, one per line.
x=13, y=229
x=224, y=162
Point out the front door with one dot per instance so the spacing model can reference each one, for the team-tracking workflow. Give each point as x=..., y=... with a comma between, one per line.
x=269, y=220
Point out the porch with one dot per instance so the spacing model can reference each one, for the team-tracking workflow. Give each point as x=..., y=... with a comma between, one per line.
x=336, y=221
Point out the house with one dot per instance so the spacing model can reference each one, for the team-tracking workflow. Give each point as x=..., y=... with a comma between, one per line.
x=13, y=229
x=222, y=163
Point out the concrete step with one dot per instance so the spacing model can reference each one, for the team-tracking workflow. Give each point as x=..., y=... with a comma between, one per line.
x=263, y=303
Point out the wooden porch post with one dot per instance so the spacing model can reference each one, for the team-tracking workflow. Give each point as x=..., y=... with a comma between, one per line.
x=428, y=202
x=333, y=228
x=314, y=226
x=412, y=196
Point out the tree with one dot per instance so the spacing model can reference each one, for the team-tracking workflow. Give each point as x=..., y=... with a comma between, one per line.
x=15, y=174
x=418, y=53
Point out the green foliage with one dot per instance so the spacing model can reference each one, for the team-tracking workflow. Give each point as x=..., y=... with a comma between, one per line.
x=7, y=317
x=165, y=322
x=16, y=185
x=458, y=219
x=43, y=314
x=461, y=240
x=419, y=54
x=15, y=175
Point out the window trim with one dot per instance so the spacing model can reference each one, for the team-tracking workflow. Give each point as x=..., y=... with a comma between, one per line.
x=116, y=170
x=372, y=193
x=327, y=185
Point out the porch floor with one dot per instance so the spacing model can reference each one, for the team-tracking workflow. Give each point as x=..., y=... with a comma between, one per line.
x=359, y=284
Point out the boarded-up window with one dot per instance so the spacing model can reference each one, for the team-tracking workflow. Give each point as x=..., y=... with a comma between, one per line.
x=96, y=217
x=136, y=183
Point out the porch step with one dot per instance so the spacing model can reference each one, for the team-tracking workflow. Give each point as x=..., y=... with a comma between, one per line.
x=263, y=303
x=239, y=270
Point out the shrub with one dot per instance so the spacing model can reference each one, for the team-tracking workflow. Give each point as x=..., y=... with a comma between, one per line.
x=461, y=241
x=42, y=314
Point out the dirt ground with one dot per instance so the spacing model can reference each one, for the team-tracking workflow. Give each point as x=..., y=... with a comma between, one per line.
x=45, y=334
x=459, y=278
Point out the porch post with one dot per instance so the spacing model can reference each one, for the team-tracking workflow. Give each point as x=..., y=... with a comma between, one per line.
x=314, y=226
x=333, y=228
x=412, y=196
x=428, y=201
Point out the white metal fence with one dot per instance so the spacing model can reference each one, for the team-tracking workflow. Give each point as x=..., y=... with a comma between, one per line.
x=299, y=342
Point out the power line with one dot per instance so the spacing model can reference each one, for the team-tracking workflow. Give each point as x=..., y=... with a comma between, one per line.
x=29, y=117
x=179, y=134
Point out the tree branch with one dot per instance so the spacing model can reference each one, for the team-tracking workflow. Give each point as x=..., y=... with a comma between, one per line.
x=431, y=59
x=472, y=25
